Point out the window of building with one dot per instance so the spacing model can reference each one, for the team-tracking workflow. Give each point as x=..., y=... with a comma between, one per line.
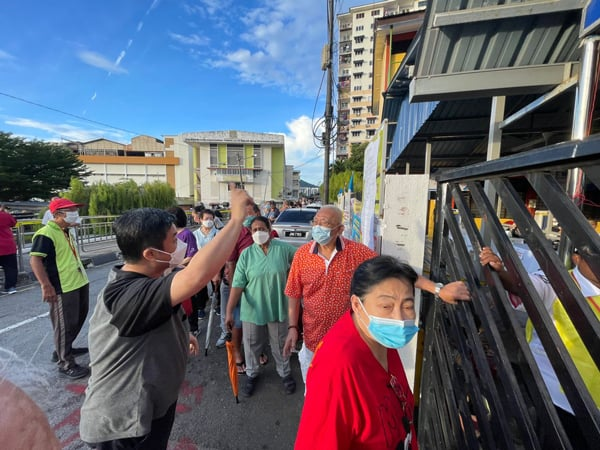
x=369, y=109
x=359, y=39
x=356, y=122
x=371, y=121
x=258, y=156
x=370, y=133
x=346, y=72
x=358, y=51
x=360, y=15
x=357, y=98
x=358, y=75
x=356, y=133
x=359, y=28
x=375, y=12
x=343, y=105
x=235, y=155
x=358, y=63
x=357, y=88
x=356, y=111
x=214, y=155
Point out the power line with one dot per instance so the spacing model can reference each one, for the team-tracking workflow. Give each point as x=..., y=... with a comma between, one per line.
x=70, y=114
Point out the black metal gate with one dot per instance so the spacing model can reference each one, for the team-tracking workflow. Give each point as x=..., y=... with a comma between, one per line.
x=480, y=386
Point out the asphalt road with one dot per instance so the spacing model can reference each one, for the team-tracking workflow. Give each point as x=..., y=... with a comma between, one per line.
x=207, y=414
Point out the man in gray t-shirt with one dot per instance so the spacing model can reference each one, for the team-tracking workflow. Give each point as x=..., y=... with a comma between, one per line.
x=138, y=334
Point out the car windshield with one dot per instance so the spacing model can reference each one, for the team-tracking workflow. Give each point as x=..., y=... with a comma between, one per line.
x=296, y=216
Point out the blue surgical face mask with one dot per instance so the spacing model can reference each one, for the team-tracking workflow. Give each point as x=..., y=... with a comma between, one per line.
x=390, y=333
x=321, y=235
x=248, y=220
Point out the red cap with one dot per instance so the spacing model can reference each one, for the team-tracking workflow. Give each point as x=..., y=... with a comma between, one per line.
x=62, y=203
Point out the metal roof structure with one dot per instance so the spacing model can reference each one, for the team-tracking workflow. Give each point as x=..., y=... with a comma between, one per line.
x=440, y=99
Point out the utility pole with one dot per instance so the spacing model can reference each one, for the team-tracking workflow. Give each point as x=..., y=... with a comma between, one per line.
x=328, y=105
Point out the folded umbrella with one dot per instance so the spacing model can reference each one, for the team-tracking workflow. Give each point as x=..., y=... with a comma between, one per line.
x=231, y=364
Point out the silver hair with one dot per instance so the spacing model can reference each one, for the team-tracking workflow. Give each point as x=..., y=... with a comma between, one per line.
x=22, y=373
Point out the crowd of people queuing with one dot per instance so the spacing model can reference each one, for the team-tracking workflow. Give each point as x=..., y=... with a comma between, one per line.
x=348, y=309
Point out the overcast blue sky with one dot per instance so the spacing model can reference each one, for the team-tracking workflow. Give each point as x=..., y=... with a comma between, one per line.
x=161, y=67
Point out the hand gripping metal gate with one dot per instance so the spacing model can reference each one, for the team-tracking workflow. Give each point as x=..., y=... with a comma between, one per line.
x=480, y=386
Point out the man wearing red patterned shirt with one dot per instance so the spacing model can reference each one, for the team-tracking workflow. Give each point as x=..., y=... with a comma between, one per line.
x=320, y=275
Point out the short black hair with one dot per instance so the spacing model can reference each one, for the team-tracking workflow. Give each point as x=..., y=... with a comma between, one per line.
x=180, y=216
x=139, y=229
x=207, y=211
x=373, y=271
x=198, y=209
x=263, y=220
x=255, y=208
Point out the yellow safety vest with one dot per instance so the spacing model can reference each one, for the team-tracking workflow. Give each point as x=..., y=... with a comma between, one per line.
x=575, y=346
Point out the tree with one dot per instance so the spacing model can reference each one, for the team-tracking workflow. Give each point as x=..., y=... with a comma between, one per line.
x=356, y=162
x=79, y=193
x=339, y=181
x=103, y=199
x=341, y=171
x=158, y=195
x=35, y=169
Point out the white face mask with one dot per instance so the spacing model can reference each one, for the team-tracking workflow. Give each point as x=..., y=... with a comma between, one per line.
x=260, y=237
x=177, y=256
x=71, y=217
x=208, y=223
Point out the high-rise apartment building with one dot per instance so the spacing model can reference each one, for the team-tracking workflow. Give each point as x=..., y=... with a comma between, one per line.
x=357, y=122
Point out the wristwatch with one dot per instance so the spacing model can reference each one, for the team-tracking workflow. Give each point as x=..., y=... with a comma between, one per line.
x=438, y=288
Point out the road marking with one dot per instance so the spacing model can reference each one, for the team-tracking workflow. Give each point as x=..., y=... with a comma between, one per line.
x=24, y=322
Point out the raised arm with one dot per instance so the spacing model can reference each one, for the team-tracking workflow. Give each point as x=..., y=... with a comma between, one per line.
x=209, y=259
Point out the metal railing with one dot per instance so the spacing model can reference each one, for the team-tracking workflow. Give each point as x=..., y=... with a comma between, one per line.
x=94, y=232
x=480, y=386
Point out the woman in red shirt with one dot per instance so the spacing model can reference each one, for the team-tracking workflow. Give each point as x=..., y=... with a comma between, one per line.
x=357, y=394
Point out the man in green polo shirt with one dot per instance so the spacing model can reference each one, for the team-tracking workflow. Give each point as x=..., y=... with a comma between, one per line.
x=57, y=266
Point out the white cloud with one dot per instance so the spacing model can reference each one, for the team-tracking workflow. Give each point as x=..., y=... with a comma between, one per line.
x=61, y=131
x=214, y=6
x=96, y=60
x=120, y=58
x=276, y=44
x=191, y=39
x=154, y=5
x=301, y=150
x=6, y=56
x=7, y=61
